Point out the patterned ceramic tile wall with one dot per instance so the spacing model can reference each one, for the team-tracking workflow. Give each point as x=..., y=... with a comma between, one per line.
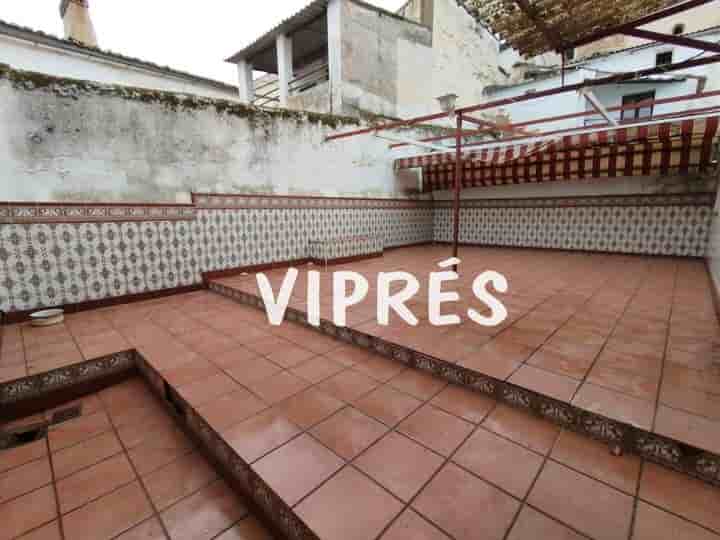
x=663, y=225
x=53, y=263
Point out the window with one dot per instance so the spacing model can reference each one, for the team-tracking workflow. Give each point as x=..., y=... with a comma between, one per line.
x=642, y=112
x=664, y=58
x=678, y=29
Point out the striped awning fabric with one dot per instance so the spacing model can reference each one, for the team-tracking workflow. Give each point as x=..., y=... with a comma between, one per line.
x=667, y=148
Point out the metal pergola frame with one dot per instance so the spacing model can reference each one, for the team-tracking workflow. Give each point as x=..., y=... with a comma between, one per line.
x=464, y=114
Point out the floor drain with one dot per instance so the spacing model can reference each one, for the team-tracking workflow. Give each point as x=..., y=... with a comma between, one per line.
x=22, y=436
x=64, y=415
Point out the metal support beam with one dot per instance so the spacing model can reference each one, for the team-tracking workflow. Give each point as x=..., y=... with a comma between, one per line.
x=599, y=107
x=682, y=41
x=246, y=84
x=458, y=186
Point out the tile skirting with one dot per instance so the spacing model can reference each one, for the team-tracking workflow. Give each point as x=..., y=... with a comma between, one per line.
x=620, y=436
x=221, y=201
x=693, y=199
x=30, y=213
x=24, y=396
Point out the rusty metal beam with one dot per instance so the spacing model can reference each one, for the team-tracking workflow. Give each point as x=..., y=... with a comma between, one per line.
x=675, y=40
x=458, y=185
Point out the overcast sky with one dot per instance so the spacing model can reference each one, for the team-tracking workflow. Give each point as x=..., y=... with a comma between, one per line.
x=191, y=35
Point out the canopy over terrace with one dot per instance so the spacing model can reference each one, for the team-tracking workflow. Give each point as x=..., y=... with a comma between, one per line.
x=673, y=147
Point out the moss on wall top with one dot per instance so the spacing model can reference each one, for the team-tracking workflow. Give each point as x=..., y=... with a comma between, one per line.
x=75, y=88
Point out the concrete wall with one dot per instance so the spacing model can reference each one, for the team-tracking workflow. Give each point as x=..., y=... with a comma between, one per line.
x=65, y=140
x=372, y=44
x=28, y=56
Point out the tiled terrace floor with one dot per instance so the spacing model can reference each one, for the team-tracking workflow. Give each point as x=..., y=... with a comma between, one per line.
x=121, y=470
x=362, y=448
x=632, y=338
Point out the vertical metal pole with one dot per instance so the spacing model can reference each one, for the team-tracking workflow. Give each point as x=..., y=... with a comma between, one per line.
x=458, y=185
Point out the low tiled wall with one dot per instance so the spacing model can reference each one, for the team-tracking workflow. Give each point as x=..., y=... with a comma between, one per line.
x=650, y=225
x=60, y=254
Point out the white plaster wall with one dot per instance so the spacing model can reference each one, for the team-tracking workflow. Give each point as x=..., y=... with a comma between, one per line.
x=69, y=143
x=42, y=59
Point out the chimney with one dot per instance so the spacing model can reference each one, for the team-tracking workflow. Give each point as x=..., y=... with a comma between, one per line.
x=76, y=19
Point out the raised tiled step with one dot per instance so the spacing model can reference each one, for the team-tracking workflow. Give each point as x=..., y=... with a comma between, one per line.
x=499, y=367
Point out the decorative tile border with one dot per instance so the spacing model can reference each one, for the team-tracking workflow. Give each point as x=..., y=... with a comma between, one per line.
x=695, y=199
x=36, y=386
x=19, y=212
x=232, y=202
x=621, y=437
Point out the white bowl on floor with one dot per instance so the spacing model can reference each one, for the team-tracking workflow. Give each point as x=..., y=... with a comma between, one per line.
x=47, y=317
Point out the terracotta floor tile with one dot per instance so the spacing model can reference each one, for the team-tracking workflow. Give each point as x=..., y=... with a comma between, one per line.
x=208, y=342
x=258, y=435
x=436, y=429
x=348, y=386
x=11, y=373
x=93, y=482
x=247, y=529
x=627, y=382
x=411, y=526
x=615, y=405
x=134, y=433
x=78, y=430
x=317, y=369
x=588, y=506
x=691, y=400
x=349, y=355
x=279, y=387
x=388, y=405
x=190, y=372
x=231, y=409
x=253, y=370
x=418, y=384
x=233, y=358
x=164, y=447
x=25, y=478
x=310, y=407
x=399, y=464
x=379, y=368
x=654, y=524
x=85, y=454
x=205, y=514
x=692, y=429
x=205, y=390
x=452, y=500
x=288, y=354
x=147, y=530
x=594, y=458
x=349, y=507
x=94, y=522
x=532, y=524
x=681, y=495
x=20, y=455
x=179, y=479
x=348, y=432
x=523, y=428
x=466, y=404
x=27, y=512
x=297, y=468
x=500, y=462
x=544, y=382
x=556, y=362
x=51, y=531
